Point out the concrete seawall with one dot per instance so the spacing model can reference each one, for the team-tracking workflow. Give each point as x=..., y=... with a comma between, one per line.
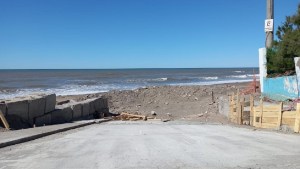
x=41, y=109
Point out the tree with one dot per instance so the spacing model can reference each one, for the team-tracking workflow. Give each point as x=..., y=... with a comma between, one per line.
x=280, y=58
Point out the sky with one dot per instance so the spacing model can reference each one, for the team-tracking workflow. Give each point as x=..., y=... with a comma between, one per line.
x=109, y=34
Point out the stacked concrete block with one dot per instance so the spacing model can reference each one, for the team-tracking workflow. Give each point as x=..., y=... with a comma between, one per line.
x=43, y=120
x=50, y=102
x=85, y=109
x=41, y=109
x=18, y=107
x=101, y=106
x=98, y=104
x=3, y=108
x=77, y=111
x=92, y=107
x=105, y=103
x=36, y=107
x=62, y=114
x=27, y=109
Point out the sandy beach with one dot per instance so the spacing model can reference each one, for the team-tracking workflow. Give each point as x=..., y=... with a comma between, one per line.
x=198, y=103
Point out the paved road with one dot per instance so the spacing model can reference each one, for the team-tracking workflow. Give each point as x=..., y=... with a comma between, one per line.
x=156, y=146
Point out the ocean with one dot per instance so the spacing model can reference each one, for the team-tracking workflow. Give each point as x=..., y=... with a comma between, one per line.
x=72, y=82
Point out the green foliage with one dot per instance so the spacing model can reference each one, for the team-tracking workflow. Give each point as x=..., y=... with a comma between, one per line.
x=280, y=57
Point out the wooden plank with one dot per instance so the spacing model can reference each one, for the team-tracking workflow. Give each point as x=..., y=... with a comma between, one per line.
x=251, y=109
x=289, y=114
x=297, y=119
x=261, y=111
x=238, y=107
x=242, y=109
x=268, y=126
x=239, y=114
x=127, y=116
x=271, y=120
x=254, y=117
x=270, y=114
x=288, y=121
x=4, y=121
x=279, y=115
x=272, y=108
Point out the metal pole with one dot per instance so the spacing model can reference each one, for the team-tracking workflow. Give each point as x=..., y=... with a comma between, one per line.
x=270, y=15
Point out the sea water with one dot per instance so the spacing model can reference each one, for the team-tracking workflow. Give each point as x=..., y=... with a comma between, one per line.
x=72, y=82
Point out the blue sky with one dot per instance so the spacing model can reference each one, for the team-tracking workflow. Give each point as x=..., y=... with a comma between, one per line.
x=68, y=34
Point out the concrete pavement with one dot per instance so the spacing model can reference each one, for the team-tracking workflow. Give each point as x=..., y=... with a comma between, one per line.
x=144, y=145
x=20, y=136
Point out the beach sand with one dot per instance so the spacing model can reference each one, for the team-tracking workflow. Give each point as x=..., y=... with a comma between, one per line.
x=169, y=102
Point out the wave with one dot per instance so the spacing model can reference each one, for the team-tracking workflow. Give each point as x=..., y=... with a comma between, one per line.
x=243, y=76
x=211, y=82
x=238, y=76
x=159, y=79
x=251, y=75
x=239, y=71
x=68, y=90
x=210, y=78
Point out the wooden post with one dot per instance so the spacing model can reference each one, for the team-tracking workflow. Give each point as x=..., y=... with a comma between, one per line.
x=212, y=96
x=3, y=119
x=242, y=109
x=231, y=106
x=251, y=110
x=270, y=15
x=254, y=117
x=297, y=119
x=238, y=107
x=261, y=111
x=279, y=116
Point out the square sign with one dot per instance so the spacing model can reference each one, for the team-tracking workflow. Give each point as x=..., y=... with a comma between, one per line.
x=269, y=24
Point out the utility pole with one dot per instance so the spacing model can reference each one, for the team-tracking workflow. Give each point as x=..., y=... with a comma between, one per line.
x=269, y=23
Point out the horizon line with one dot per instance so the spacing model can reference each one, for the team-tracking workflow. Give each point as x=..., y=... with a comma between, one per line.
x=125, y=68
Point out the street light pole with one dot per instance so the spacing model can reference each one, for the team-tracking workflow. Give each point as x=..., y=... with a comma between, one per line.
x=270, y=15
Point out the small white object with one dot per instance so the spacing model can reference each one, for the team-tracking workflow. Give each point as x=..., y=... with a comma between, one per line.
x=269, y=25
x=153, y=113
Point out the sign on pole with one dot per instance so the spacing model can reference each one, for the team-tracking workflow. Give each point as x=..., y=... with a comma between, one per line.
x=269, y=24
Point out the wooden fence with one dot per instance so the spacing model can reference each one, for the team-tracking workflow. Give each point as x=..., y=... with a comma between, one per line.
x=272, y=116
x=241, y=107
x=262, y=116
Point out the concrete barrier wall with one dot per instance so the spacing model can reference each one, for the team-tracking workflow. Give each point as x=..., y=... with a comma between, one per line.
x=21, y=111
x=42, y=110
x=281, y=88
x=74, y=111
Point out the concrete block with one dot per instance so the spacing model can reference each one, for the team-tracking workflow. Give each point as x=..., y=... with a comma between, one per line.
x=50, y=102
x=92, y=109
x=105, y=102
x=223, y=106
x=77, y=111
x=62, y=114
x=19, y=108
x=99, y=104
x=3, y=108
x=85, y=109
x=36, y=108
x=43, y=120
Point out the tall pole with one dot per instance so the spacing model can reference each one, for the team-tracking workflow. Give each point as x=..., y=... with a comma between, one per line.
x=270, y=15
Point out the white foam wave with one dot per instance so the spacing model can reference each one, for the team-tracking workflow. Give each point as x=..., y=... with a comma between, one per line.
x=69, y=90
x=239, y=71
x=238, y=76
x=210, y=78
x=160, y=79
x=251, y=75
x=211, y=82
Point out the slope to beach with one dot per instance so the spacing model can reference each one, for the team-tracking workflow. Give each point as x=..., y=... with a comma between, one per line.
x=198, y=103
